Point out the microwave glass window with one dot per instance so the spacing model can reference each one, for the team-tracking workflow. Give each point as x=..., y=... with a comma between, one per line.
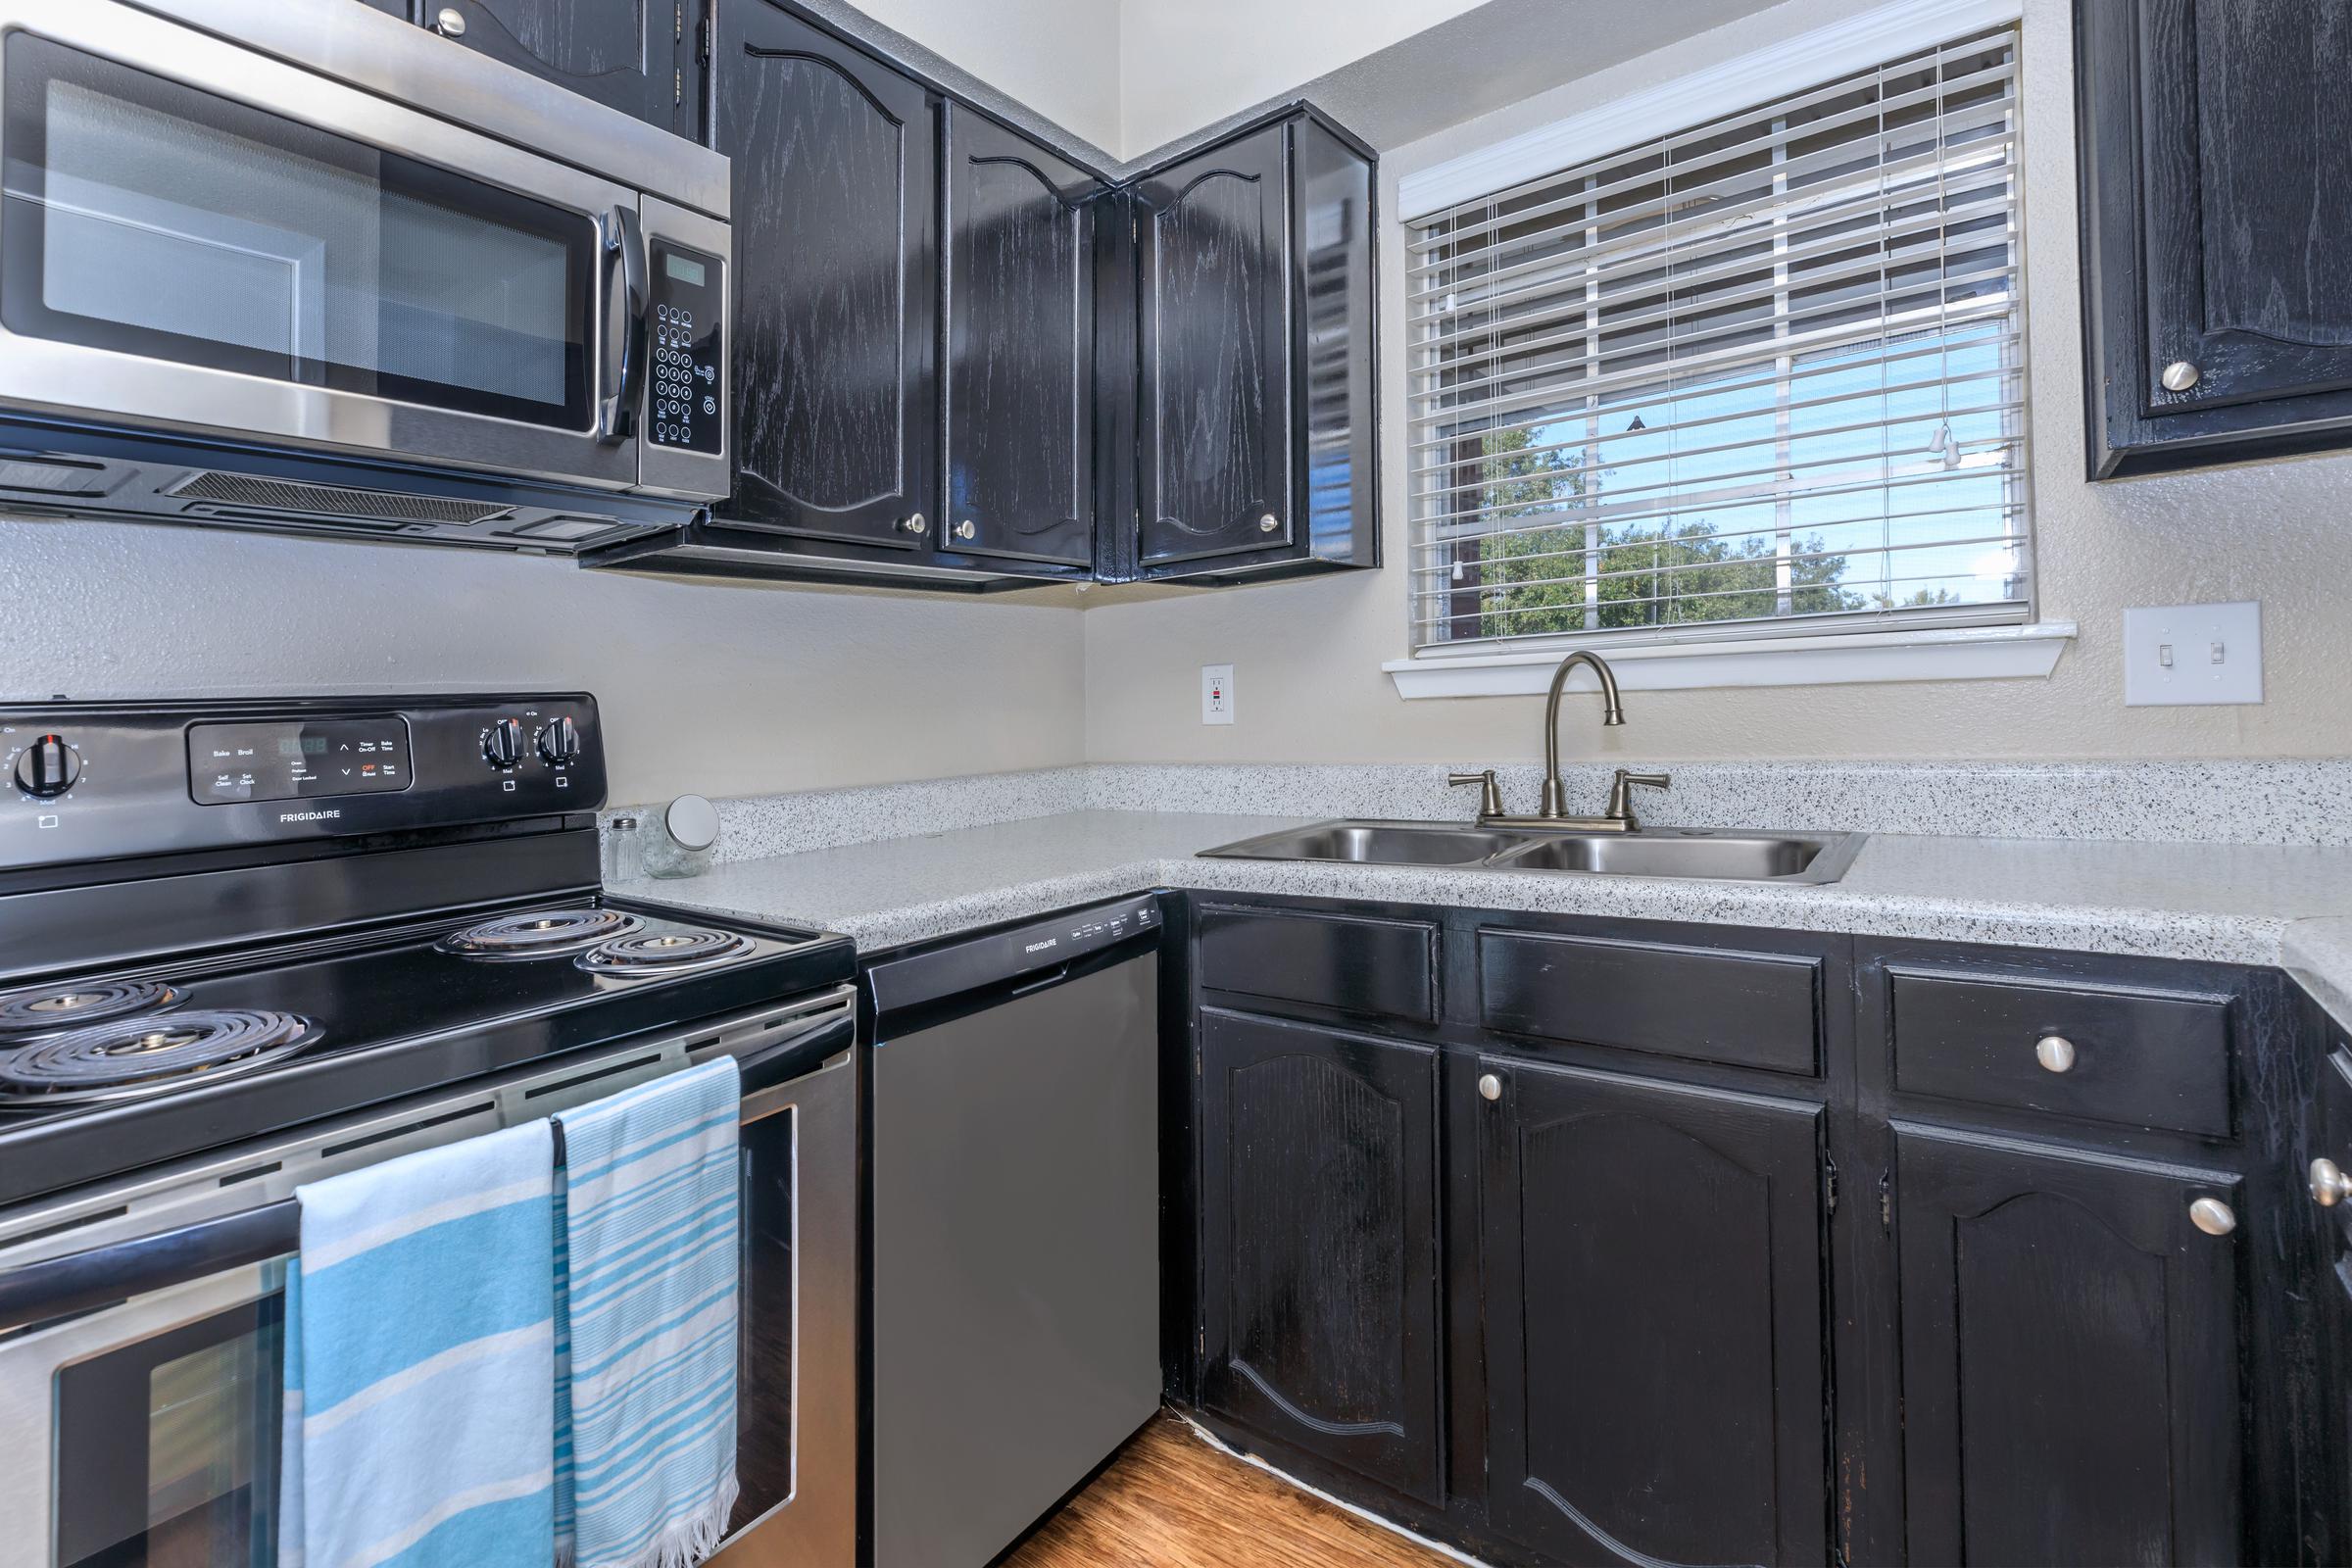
x=167, y=1447
x=151, y=218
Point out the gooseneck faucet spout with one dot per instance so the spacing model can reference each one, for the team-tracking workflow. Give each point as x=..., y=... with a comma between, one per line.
x=1555, y=801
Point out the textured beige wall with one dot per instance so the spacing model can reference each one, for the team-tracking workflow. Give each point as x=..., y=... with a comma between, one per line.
x=1307, y=656
x=1060, y=57
x=712, y=687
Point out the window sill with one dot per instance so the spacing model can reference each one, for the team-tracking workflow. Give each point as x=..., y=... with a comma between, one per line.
x=1969, y=653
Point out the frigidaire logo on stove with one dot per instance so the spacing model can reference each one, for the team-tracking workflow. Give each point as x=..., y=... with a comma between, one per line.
x=308, y=816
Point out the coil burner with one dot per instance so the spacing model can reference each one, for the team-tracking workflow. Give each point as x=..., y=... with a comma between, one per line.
x=129, y=1056
x=46, y=1011
x=678, y=950
x=540, y=933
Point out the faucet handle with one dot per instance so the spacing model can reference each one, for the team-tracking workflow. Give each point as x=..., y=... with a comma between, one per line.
x=1621, y=793
x=1490, y=793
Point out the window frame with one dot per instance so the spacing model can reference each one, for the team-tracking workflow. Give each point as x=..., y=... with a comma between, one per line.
x=1906, y=643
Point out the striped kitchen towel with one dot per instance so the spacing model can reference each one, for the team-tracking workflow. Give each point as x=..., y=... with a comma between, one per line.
x=647, y=1210
x=419, y=1362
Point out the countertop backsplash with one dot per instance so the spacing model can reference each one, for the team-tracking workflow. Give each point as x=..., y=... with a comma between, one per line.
x=2286, y=800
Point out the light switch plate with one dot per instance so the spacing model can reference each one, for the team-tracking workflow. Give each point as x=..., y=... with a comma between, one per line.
x=2192, y=653
x=1216, y=694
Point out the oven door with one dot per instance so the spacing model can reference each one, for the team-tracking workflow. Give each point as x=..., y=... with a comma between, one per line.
x=199, y=237
x=144, y=1433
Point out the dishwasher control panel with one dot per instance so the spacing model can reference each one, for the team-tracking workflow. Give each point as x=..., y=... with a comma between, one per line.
x=1036, y=948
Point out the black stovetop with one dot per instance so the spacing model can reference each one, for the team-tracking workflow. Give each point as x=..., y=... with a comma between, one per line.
x=391, y=1013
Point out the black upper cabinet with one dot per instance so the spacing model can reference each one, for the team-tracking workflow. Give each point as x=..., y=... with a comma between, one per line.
x=1654, y=1320
x=1319, y=1254
x=2070, y=1359
x=635, y=55
x=836, y=286
x=2216, y=146
x=1254, y=352
x=1212, y=235
x=1019, y=298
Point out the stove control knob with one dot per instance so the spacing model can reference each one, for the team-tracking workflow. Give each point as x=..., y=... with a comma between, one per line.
x=559, y=742
x=502, y=744
x=48, y=766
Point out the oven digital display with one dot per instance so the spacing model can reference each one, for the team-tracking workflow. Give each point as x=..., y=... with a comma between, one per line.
x=292, y=759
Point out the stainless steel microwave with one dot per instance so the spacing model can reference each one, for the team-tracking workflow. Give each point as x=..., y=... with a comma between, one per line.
x=298, y=265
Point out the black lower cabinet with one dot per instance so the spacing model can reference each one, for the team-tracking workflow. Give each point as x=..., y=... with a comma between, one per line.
x=1652, y=1256
x=2071, y=1357
x=1319, y=1320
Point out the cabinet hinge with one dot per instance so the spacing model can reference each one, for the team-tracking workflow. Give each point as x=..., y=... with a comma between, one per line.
x=1200, y=1342
x=1829, y=1184
x=709, y=31
x=678, y=19
x=1885, y=1200
x=677, y=88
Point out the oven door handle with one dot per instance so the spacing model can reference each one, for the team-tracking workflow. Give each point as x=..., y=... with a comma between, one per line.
x=624, y=243
x=786, y=1059
x=77, y=1282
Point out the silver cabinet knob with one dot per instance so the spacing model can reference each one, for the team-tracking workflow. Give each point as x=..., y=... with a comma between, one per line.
x=2055, y=1052
x=1268, y=523
x=916, y=523
x=2211, y=1216
x=2329, y=1186
x=2181, y=376
x=1490, y=1087
x=450, y=22
x=966, y=529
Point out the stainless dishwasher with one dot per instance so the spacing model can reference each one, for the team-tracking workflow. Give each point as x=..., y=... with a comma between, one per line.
x=1015, y=1224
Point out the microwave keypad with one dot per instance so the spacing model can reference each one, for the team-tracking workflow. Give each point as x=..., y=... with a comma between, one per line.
x=682, y=410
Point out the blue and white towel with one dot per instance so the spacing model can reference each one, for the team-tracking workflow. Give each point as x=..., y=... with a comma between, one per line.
x=646, y=1281
x=420, y=1362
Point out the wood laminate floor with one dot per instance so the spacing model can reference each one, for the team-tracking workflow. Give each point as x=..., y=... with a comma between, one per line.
x=1170, y=1501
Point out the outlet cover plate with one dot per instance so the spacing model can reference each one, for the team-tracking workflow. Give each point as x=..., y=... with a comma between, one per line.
x=1216, y=694
x=2183, y=655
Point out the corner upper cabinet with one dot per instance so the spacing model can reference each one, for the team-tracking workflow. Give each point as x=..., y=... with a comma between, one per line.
x=1254, y=430
x=635, y=55
x=1019, y=420
x=2216, y=245
x=836, y=291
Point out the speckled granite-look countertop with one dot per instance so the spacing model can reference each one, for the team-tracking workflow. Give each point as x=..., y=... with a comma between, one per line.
x=2261, y=903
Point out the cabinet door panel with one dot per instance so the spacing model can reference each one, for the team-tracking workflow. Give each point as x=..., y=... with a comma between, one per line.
x=1655, y=1321
x=1320, y=1268
x=2248, y=140
x=624, y=54
x=835, y=280
x=1213, y=428
x=2070, y=1359
x=1020, y=344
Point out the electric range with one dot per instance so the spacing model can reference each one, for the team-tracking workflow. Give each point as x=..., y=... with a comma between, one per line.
x=229, y=919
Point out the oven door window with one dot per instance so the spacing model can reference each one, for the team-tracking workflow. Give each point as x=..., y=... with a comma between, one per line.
x=145, y=217
x=765, y=1427
x=167, y=1447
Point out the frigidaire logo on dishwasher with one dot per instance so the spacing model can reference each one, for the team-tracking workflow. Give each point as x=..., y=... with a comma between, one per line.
x=308, y=816
x=1040, y=946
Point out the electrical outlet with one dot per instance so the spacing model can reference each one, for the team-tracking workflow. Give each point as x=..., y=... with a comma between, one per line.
x=1216, y=694
x=2192, y=653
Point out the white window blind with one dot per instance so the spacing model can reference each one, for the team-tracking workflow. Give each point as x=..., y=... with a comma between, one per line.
x=1761, y=377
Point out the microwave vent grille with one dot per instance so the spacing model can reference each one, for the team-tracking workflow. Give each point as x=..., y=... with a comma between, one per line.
x=245, y=491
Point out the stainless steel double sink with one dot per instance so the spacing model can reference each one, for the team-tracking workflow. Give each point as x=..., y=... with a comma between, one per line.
x=1728, y=854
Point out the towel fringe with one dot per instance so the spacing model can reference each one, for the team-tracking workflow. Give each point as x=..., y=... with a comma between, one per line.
x=684, y=1543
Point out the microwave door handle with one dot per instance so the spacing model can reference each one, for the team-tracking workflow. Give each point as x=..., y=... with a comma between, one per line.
x=624, y=243
x=79, y=1282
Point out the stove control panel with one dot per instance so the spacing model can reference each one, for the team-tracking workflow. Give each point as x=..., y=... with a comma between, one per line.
x=86, y=782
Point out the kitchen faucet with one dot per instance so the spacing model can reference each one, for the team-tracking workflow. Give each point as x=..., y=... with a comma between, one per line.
x=1618, y=815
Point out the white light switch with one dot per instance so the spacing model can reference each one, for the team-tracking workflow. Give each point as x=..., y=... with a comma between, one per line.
x=2186, y=653
x=1216, y=694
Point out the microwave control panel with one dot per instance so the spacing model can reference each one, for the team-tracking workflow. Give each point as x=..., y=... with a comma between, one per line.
x=682, y=409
